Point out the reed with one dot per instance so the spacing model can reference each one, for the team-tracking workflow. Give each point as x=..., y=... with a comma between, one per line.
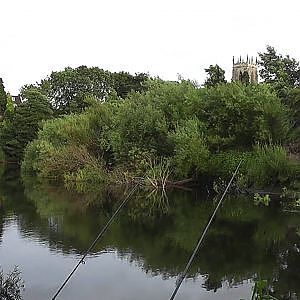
x=158, y=173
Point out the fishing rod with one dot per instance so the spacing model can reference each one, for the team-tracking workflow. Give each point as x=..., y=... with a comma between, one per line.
x=99, y=236
x=183, y=275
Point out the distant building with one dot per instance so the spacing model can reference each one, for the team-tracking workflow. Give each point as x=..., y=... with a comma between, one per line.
x=17, y=100
x=245, y=70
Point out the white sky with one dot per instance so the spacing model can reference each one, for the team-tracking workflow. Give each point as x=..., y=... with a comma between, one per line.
x=164, y=38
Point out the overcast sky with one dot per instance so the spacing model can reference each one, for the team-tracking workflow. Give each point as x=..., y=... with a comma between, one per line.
x=162, y=37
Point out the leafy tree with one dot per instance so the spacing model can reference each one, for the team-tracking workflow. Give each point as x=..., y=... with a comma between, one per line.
x=216, y=75
x=123, y=83
x=292, y=99
x=21, y=127
x=238, y=115
x=177, y=121
x=3, y=98
x=68, y=90
x=173, y=99
x=139, y=127
x=191, y=151
x=283, y=72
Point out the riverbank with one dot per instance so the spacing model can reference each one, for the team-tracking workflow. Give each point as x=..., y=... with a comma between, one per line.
x=159, y=134
x=169, y=133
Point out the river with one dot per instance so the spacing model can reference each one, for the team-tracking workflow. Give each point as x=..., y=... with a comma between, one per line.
x=44, y=230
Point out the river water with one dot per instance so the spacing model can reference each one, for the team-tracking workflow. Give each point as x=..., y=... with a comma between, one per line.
x=44, y=229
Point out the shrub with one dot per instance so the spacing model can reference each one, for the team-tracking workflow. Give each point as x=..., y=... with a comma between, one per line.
x=238, y=116
x=172, y=99
x=68, y=130
x=90, y=174
x=275, y=123
x=223, y=164
x=67, y=160
x=140, y=125
x=69, y=144
x=191, y=152
x=268, y=164
x=21, y=126
x=46, y=161
x=36, y=156
x=200, y=131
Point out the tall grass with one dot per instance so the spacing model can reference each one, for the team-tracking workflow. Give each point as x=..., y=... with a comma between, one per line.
x=269, y=164
x=158, y=173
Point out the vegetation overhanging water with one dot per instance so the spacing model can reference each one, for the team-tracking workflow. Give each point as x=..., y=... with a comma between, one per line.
x=87, y=127
x=156, y=234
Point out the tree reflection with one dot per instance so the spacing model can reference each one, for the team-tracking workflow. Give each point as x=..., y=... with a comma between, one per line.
x=1, y=206
x=1, y=219
x=160, y=231
x=148, y=206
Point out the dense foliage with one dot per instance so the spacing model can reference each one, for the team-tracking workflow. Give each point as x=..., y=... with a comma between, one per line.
x=283, y=72
x=175, y=121
x=215, y=75
x=67, y=90
x=3, y=98
x=21, y=124
x=105, y=126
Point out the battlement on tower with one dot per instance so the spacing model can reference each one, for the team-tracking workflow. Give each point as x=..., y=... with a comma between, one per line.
x=245, y=70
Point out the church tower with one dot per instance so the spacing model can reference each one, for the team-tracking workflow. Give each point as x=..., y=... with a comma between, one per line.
x=245, y=70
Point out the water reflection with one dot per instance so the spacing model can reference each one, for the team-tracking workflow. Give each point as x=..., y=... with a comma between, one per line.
x=158, y=233
x=1, y=219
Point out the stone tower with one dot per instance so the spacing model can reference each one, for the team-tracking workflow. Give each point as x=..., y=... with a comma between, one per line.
x=245, y=70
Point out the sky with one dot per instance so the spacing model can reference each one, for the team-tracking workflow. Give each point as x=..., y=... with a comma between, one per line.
x=162, y=37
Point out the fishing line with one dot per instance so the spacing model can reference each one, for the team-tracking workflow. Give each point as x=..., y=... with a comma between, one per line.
x=99, y=236
x=183, y=275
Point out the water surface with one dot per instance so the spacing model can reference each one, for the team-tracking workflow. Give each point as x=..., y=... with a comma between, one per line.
x=44, y=229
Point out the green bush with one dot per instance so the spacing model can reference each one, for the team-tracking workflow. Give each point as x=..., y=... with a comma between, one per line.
x=269, y=164
x=275, y=123
x=173, y=99
x=21, y=126
x=139, y=125
x=238, y=116
x=36, y=157
x=200, y=131
x=68, y=144
x=47, y=162
x=68, y=130
x=223, y=164
x=191, y=152
x=90, y=174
